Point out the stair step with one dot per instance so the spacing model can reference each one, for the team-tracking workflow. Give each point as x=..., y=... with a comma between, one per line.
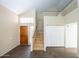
x=37, y=46
x=38, y=43
x=38, y=49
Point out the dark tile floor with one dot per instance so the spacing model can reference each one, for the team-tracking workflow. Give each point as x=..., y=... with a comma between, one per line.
x=24, y=52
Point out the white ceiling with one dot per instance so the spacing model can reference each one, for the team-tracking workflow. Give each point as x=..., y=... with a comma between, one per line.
x=19, y=6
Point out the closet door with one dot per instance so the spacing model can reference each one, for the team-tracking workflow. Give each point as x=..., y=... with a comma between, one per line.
x=54, y=36
x=23, y=35
x=71, y=35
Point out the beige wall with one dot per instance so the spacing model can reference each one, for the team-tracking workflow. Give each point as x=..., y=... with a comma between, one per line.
x=8, y=30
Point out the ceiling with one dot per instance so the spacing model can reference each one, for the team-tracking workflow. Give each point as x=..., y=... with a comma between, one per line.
x=19, y=6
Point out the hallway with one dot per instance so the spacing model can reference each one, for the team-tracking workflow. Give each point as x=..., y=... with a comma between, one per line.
x=39, y=28
x=24, y=52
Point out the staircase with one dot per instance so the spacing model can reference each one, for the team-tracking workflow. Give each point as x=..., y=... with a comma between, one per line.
x=38, y=41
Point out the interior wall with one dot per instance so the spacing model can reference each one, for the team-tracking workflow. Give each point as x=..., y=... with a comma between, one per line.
x=9, y=38
x=53, y=21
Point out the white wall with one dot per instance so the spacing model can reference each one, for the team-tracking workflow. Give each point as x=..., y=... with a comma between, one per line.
x=31, y=30
x=8, y=30
x=53, y=21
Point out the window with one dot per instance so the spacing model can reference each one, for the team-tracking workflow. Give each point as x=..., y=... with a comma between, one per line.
x=27, y=20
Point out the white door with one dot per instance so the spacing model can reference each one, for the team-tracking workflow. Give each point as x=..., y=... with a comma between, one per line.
x=71, y=35
x=54, y=36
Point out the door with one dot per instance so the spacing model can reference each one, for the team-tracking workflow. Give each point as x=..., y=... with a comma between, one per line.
x=54, y=36
x=71, y=35
x=23, y=35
